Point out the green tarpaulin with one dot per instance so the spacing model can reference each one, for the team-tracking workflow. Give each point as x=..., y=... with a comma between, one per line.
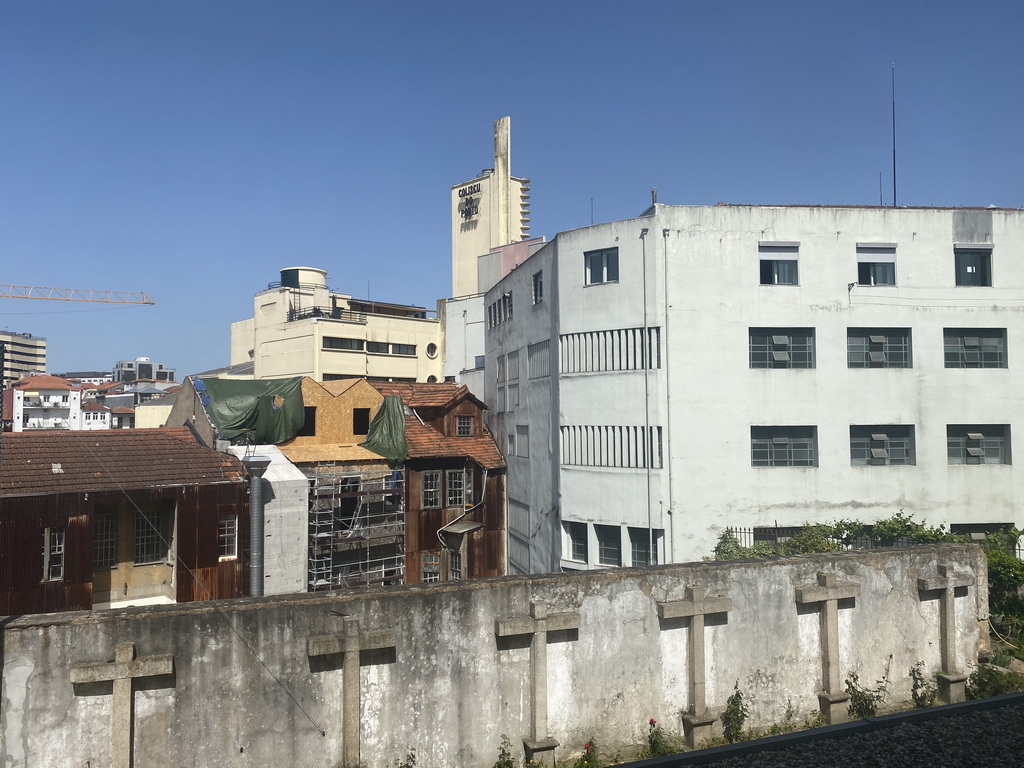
x=257, y=412
x=387, y=432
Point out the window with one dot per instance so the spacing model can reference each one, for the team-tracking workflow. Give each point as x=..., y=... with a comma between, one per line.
x=602, y=266
x=227, y=536
x=784, y=446
x=973, y=266
x=975, y=347
x=779, y=263
x=377, y=347
x=539, y=360
x=508, y=305
x=538, y=287
x=621, y=349
x=53, y=554
x=511, y=445
x=889, y=444
x=501, y=369
x=308, y=422
x=454, y=565
x=432, y=352
x=577, y=536
x=640, y=546
x=150, y=537
x=431, y=490
x=335, y=342
x=431, y=567
x=781, y=347
x=464, y=426
x=360, y=421
x=878, y=348
x=523, y=441
x=404, y=349
x=978, y=443
x=609, y=545
x=104, y=540
x=876, y=263
x=459, y=487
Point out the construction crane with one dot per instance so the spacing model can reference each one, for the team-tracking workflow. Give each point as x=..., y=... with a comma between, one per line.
x=73, y=294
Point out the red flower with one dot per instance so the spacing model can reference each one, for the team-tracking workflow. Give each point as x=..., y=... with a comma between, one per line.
x=586, y=747
x=652, y=721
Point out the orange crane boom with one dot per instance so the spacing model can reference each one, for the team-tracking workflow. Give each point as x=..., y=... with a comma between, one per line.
x=73, y=294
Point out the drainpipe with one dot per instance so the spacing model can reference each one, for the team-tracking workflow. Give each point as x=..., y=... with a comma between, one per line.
x=256, y=466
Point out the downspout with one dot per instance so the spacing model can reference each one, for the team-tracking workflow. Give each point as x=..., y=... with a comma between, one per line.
x=668, y=402
x=649, y=447
x=256, y=466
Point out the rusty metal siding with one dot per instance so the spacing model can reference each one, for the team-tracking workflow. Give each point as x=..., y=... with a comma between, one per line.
x=199, y=509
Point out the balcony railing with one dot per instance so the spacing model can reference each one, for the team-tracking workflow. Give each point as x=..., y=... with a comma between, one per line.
x=328, y=313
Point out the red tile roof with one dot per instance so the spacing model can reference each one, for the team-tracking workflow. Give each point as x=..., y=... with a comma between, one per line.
x=37, y=463
x=44, y=382
x=122, y=409
x=92, y=405
x=421, y=395
x=425, y=442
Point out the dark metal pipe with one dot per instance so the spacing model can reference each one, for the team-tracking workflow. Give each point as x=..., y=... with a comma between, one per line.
x=256, y=466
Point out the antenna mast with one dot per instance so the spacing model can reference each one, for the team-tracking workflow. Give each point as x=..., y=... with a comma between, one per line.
x=894, y=135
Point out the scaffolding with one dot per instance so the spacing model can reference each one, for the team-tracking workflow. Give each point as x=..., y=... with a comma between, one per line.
x=356, y=526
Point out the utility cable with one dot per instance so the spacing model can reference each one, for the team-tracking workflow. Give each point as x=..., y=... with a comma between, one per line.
x=198, y=581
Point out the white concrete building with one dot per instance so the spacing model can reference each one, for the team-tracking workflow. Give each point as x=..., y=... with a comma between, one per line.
x=142, y=368
x=42, y=402
x=659, y=379
x=300, y=327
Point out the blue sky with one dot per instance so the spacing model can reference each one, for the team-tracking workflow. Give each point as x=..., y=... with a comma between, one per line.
x=190, y=149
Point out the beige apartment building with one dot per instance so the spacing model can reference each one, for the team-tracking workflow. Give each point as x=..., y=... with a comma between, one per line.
x=300, y=327
x=21, y=354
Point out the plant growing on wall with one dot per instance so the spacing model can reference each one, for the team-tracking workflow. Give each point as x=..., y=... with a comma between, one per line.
x=923, y=690
x=864, y=702
x=659, y=743
x=589, y=757
x=505, y=759
x=734, y=716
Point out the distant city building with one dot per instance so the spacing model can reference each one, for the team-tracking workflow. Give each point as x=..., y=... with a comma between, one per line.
x=658, y=380
x=142, y=368
x=42, y=403
x=95, y=415
x=300, y=327
x=21, y=354
x=87, y=377
x=490, y=237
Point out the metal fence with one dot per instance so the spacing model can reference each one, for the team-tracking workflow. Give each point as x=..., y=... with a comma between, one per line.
x=748, y=537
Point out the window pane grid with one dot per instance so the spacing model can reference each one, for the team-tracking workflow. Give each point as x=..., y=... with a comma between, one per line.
x=55, y=559
x=783, y=447
x=456, y=488
x=977, y=444
x=104, y=540
x=149, y=545
x=975, y=347
x=464, y=426
x=227, y=536
x=781, y=347
x=888, y=444
x=431, y=490
x=878, y=348
x=609, y=545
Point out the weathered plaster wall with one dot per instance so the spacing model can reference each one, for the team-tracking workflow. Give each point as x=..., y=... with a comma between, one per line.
x=450, y=688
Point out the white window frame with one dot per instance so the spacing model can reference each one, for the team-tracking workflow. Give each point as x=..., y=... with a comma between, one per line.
x=601, y=266
x=430, y=483
x=53, y=554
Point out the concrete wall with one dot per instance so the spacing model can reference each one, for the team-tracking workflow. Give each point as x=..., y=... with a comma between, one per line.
x=286, y=523
x=450, y=687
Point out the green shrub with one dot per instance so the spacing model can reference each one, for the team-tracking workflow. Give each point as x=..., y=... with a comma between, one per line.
x=923, y=690
x=987, y=681
x=659, y=743
x=505, y=759
x=589, y=757
x=734, y=716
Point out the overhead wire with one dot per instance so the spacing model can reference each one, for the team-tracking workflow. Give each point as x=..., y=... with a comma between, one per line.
x=245, y=641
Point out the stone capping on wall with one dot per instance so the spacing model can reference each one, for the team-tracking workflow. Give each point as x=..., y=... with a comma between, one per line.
x=436, y=671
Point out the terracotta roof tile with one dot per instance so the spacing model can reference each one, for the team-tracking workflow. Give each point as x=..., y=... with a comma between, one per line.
x=122, y=409
x=425, y=442
x=44, y=382
x=422, y=395
x=92, y=405
x=100, y=460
